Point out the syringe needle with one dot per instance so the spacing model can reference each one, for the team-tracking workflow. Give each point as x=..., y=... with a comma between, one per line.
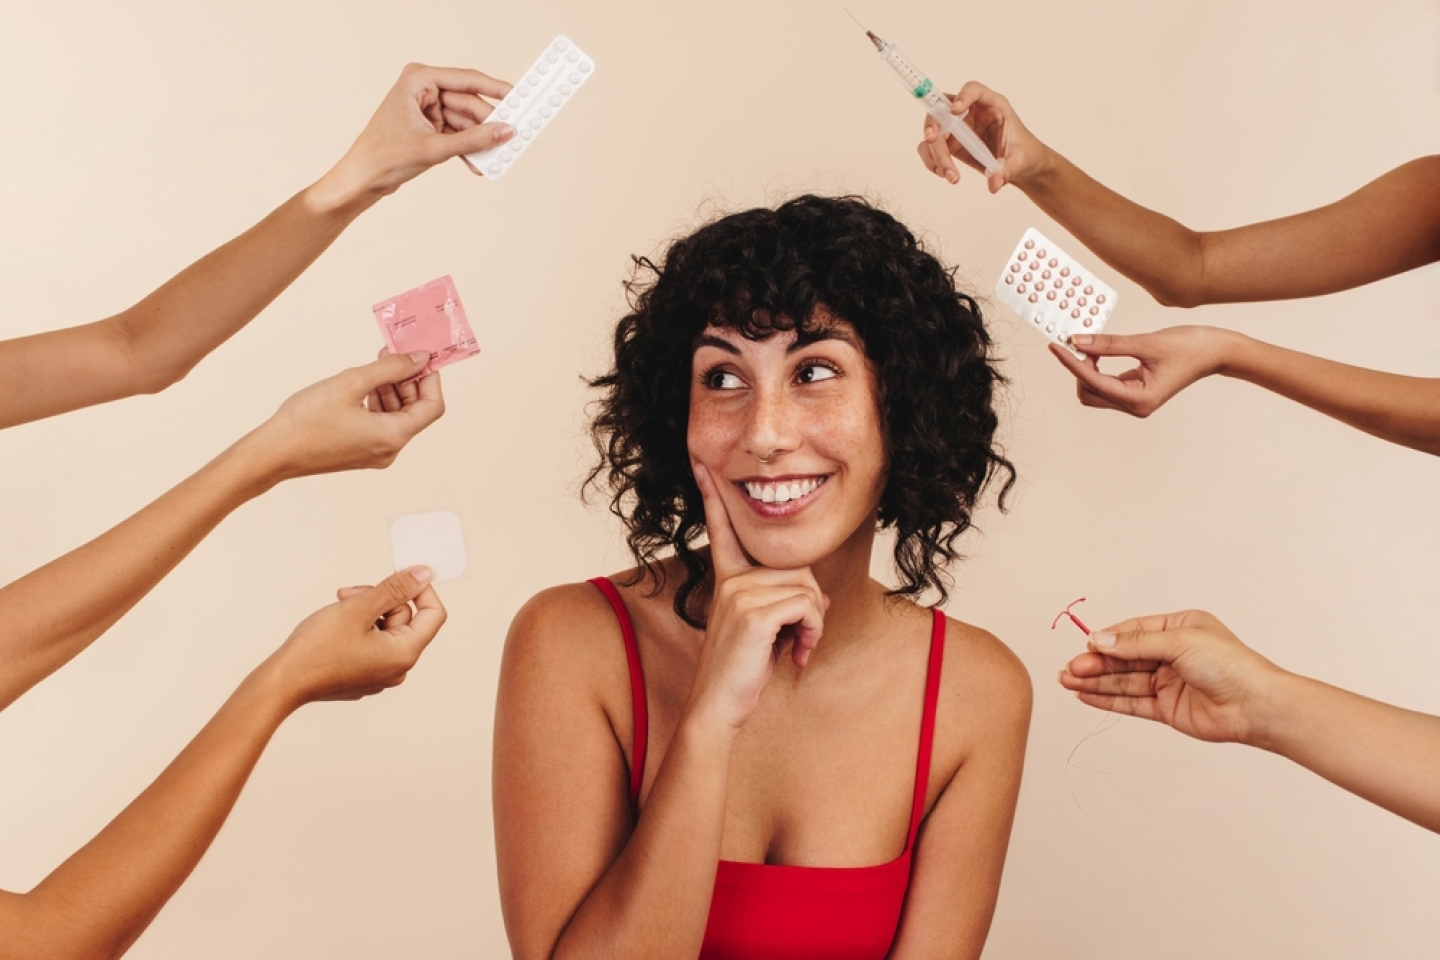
x=879, y=44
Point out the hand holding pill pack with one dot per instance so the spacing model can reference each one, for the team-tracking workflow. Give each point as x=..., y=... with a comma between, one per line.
x=1052, y=292
x=539, y=95
x=430, y=318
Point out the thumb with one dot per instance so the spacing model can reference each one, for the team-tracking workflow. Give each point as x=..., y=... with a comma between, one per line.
x=400, y=587
x=1106, y=344
x=1163, y=645
x=482, y=136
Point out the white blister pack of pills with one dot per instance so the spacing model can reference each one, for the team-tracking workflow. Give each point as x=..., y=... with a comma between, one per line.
x=1052, y=292
x=537, y=97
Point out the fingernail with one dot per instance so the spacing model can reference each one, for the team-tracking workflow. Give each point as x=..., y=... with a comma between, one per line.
x=1104, y=640
x=419, y=356
x=421, y=574
x=952, y=176
x=805, y=657
x=503, y=131
x=1081, y=339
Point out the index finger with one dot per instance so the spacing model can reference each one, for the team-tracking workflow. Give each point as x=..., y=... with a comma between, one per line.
x=465, y=81
x=1088, y=373
x=725, y=551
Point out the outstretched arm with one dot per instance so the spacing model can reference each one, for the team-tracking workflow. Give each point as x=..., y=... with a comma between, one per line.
x=1187, y=670
x=1388, y=226
x=1401, y=409
x=52, y=614
x=431, y=114
x=99, y=901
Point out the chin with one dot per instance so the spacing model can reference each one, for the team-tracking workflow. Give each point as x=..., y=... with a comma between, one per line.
x=785, y=551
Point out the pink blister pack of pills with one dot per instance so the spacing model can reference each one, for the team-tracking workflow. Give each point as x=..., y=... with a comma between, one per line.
x=1053, y=292
x=430, y=318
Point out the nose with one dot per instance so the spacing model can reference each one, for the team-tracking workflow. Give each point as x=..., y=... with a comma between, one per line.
x=774, y=428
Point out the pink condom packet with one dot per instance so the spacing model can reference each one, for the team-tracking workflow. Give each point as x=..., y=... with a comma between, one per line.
x=429, y=318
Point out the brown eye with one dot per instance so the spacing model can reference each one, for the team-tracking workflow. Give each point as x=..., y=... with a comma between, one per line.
x=718, y=379
x=815, y=372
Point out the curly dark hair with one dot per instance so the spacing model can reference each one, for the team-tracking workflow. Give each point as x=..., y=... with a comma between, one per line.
x=797, y=267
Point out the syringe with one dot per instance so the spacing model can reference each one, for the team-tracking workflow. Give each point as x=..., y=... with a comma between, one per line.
x=935, y=102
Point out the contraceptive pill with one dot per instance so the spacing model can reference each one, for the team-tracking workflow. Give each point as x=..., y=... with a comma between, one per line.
x=560, y=70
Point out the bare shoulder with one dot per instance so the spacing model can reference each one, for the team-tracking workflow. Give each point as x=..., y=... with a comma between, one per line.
x=567, y=638
x=983, y=684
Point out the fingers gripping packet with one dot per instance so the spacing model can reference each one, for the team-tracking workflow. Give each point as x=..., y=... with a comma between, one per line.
x=429, y=318
x=1052, y=292
x=537, y=97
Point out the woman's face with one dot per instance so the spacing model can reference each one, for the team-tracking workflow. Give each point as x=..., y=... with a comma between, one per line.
x=791, y=430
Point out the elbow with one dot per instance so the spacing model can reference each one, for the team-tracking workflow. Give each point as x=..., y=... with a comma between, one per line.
x=1182, y=284
x=141, y=368
x=1176, y=294
x=158, y=379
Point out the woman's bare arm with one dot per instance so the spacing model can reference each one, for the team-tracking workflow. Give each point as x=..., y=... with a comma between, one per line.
x=431, y=114
x=1388, y=226
x=98, y=902
x=960, y=852
x=55, y=612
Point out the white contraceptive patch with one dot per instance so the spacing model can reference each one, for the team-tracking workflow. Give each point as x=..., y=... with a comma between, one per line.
x=1052, y=292
x=539, y=95
x=434, y=539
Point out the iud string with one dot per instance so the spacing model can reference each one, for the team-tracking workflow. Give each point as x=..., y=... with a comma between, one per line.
x=1100, y=727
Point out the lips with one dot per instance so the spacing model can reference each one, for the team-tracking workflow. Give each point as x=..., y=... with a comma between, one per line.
x=781, y=496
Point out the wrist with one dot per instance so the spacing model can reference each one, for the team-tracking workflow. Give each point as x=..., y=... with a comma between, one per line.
x=708, y=730
x=1039, y=173
x=274, y=696
x=259, y=462
x=1231, y=352
x=1269, y=710
x=344, y=193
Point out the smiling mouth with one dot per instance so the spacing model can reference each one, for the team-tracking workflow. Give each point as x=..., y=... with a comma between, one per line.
x=781, y=491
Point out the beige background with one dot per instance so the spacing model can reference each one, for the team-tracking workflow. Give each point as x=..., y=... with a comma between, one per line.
x=134, y=137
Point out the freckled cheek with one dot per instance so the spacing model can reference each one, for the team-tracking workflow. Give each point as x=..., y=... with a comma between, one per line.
x=711, y=436
x=853, y=435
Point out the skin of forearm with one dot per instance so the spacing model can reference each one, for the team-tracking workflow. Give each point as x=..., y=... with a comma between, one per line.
x=171, y=330
x=655, y=899
x=1386, y=754
x=55, y=612
x=1158, y=253
x=97, y=903
x=1403, y=410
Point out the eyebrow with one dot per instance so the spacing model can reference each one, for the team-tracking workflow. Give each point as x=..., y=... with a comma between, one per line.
x=802, y=340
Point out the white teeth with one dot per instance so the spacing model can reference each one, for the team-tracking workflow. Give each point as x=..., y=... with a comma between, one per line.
x=782, y=492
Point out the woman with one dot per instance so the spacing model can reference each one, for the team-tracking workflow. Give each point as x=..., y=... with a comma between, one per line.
x=756, y=749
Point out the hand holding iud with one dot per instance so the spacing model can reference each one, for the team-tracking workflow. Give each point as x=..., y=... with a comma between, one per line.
x=429, y=318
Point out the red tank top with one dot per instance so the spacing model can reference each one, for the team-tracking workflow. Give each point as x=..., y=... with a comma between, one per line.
x=761, y=910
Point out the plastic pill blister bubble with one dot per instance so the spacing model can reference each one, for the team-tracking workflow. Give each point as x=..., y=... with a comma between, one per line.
x=539, y=94
x=1052, y=292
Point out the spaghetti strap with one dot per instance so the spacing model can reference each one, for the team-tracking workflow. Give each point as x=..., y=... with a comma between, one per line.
x=927, y=726
x=637, y=690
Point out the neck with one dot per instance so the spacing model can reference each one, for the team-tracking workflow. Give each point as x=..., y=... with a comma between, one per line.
x=856, y=600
